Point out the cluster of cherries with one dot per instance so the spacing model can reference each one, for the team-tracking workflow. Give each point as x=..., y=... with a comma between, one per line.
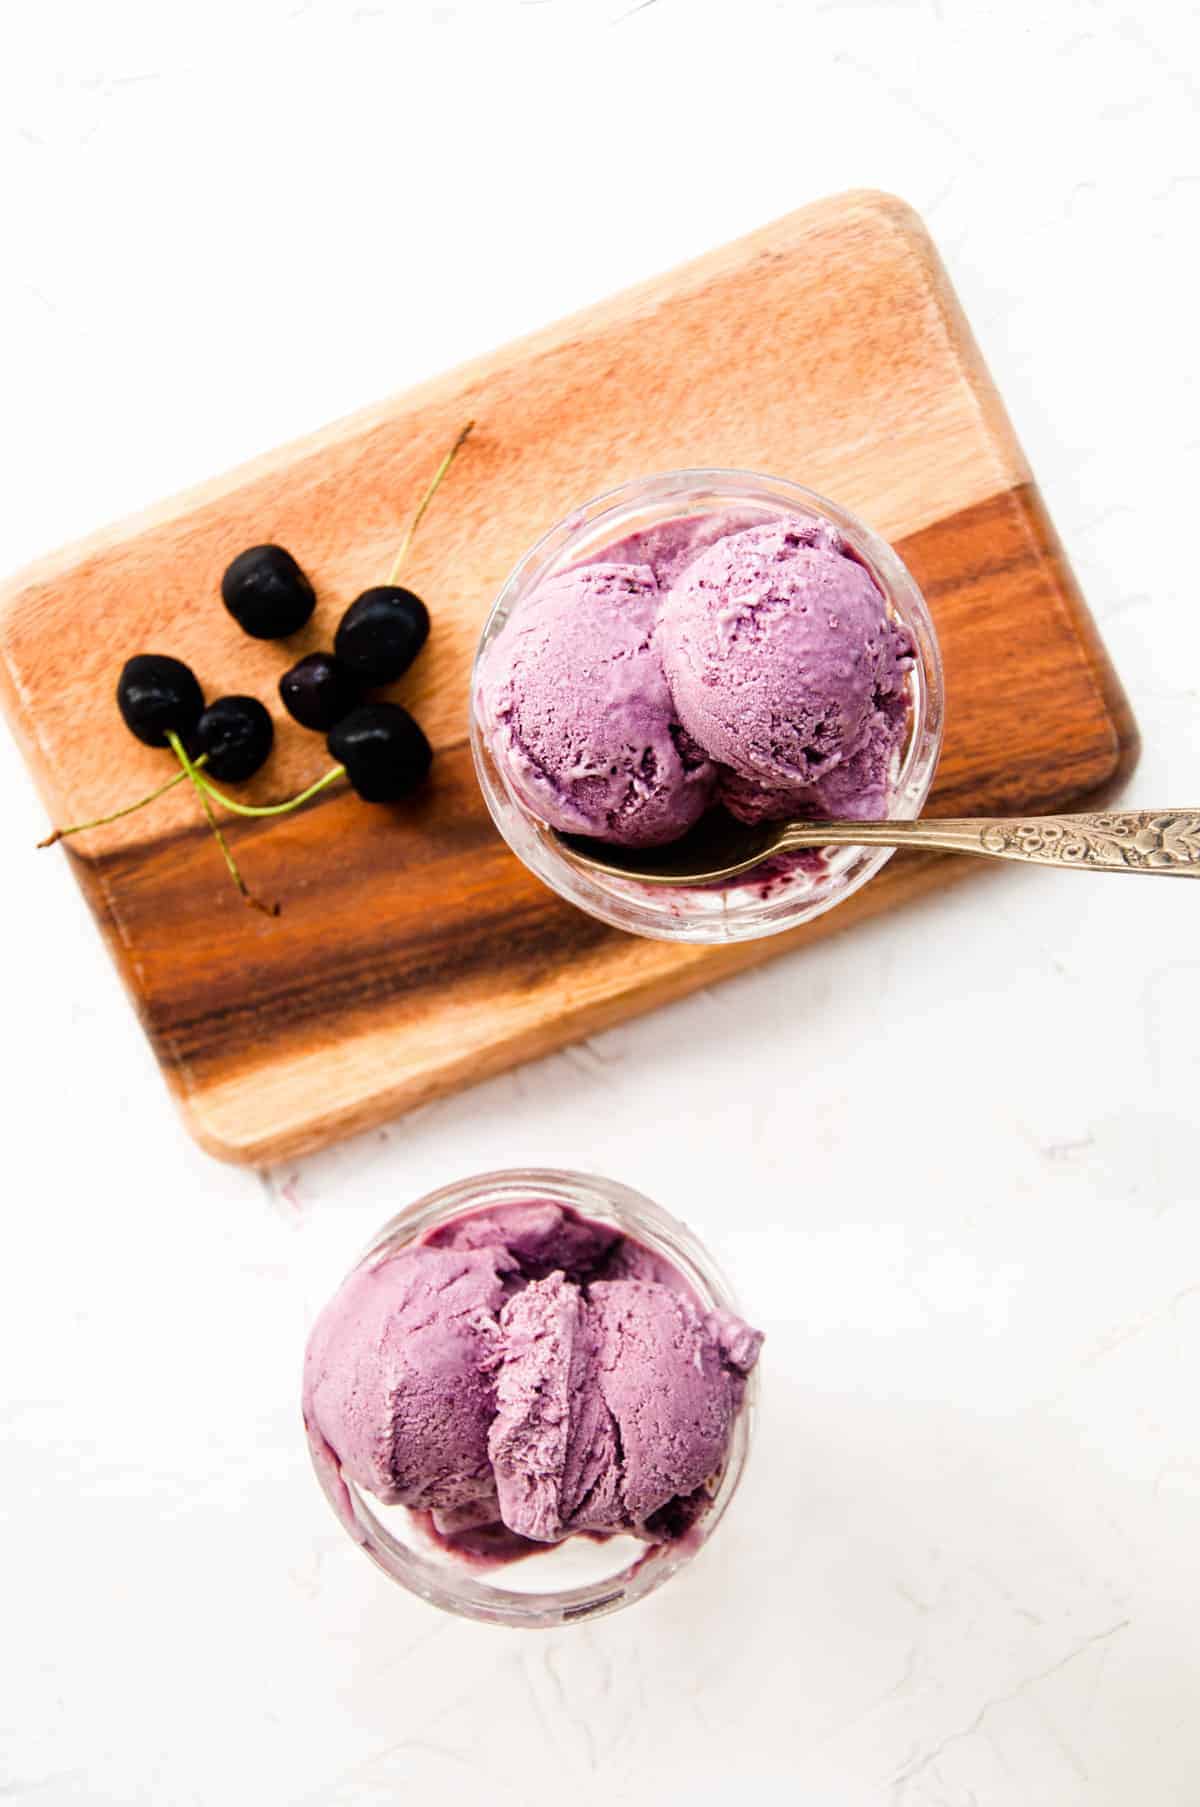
x=377, y=746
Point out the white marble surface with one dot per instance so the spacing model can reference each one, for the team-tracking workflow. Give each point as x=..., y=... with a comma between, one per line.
x=951, y=1161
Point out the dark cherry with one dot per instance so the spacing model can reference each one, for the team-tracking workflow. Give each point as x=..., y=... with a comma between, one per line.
x=381, y=633
x=267, y=593
x=236, y=732
x=384, y=751
x=318, y=691
x=158, y=695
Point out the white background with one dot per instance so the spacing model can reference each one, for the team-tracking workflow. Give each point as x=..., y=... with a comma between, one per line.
x=950, y=1160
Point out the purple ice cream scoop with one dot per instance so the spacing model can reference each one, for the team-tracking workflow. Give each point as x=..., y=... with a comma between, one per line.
x=530, y=1368
x=578, y=714
x=729, y=657
x=398, y=1376
x=672, y=1380
x=613, y=1402
x=855, y=789
x=782, y=659
x=553, y=1442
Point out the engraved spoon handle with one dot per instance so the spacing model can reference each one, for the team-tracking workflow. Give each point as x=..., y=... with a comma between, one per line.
x=1162, y=842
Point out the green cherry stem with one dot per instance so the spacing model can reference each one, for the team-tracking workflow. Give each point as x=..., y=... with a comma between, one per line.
x=200, y=785
x=60, y=834
x=273, y=809
x=426, y=499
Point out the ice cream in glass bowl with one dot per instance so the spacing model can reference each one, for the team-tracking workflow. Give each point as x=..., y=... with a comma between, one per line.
x=705, y=640
x=530, y=1402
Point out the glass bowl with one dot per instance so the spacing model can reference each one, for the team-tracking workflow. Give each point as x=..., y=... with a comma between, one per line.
x=582, y=1577
x=775, y=896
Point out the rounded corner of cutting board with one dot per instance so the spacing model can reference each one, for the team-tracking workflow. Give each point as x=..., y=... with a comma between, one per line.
x=890, y=209
x=251, y=1132
x=218, y=1139
x=896, y=222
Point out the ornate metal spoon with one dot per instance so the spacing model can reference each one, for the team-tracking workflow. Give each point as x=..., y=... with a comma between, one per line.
x=1161, y=843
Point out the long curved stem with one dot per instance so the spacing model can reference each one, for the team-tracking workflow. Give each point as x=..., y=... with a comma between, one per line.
x=423, y=504
x=273, y=809
x=60, y=834
x=200, y=785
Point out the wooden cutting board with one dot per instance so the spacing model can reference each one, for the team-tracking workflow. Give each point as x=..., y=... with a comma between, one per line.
x=414, y=954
